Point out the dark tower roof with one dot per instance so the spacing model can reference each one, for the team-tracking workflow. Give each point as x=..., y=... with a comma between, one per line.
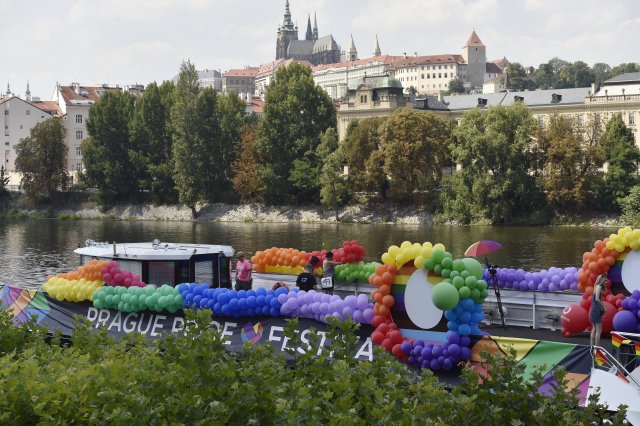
x=309, y=35
x=315, y=26
x=287, y=24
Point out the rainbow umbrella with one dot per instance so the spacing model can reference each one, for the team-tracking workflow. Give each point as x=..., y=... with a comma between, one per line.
x=482, y=248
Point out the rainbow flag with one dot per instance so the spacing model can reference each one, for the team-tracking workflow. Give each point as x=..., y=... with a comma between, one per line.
x=600, y=358
x=616, y=341
x=251, y=333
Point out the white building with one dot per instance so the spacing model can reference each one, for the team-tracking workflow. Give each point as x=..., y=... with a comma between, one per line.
x=18, y=117
x=75, y=101
x=210, y=78
x=429, y=74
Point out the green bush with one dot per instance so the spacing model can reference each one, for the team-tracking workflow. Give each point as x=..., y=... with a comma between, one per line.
x=631, y=206
x=190, y=378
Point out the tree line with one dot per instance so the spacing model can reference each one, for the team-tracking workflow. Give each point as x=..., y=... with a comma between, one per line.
x=179, y=143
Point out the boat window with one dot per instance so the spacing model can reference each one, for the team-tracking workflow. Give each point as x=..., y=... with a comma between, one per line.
x=161, y=273
x=225, y=271
x=204, y=272
x=131, y=265
x=183, y=272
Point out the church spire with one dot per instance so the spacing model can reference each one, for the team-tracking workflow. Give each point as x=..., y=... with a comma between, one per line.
x=309, y=35
x=288, y=23
x=351, y=53
x=315, y=26
x=376, y=48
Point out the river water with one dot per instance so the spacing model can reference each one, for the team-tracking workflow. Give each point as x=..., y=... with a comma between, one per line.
x=32, y=249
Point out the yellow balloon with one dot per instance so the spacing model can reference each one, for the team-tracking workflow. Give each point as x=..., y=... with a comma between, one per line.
x=427, y=252
x=387, y=259
x=394, y=251
x=427, y=244
x=418, y=262
x=405, y=244
x=439, y=246
x=619, y=247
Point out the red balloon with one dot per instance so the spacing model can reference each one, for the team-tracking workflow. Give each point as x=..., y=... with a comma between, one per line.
x=386, y=343
x=575, y=319
x=377, y=320
x=397, y=350
x=396, y=336
x=383, y=328
x=607, y=318
x=377, y=337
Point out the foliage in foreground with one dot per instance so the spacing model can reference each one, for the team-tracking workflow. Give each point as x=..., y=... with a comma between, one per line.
x=191, y=379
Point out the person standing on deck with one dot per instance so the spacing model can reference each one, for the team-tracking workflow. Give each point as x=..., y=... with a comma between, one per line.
x=328, y=267
x=597, y=310
x=244, y=280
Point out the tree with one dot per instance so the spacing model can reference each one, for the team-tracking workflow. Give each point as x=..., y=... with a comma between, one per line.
x=622, y=154
x=569, y=166
x=494, y=148
x=151, y=135
x=363, y=156
x=334, y=190
x=245, y=177
x=191, y=155
x=231, y=112
x=41, y=158
x=456, y=86
x=108, y=166
x=415, y=144
x=580, y=75
x=296, y=113
x=601, y=72
x=4, y=181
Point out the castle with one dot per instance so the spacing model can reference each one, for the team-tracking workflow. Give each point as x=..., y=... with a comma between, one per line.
x=317, y=50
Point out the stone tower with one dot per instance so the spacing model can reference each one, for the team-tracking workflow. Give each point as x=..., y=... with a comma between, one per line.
x=351, y=54
x=474, y=53
x=286, y=32
x=376, y=48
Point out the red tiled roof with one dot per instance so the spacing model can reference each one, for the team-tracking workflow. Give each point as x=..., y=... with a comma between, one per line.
x=270, y=67
x=51, y=107
x=493, y=68
x=385, y=59
x=244, y=72
x=89, y=93
x=424, y=60
x=474, y=41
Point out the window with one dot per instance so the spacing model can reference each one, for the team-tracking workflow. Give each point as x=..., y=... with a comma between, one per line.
x=422, y=76
x=78, y=134
x=6, y=112
x=445, y=75
x=79, y=167
x=28, y=112
x=79, y=118
x=78, y=151
x=632, y=118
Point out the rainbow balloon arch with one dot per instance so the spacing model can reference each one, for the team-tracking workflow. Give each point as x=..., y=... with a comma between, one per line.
x=416, y=286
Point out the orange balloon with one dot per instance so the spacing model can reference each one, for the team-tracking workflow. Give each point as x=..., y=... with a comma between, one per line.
x=610, y=260
x=392, y=269
x=388, y=300
x=387, y=277
x=593, y=266
x=381, y=269
x=377, y=281
x=384, y=310
x=385, y=289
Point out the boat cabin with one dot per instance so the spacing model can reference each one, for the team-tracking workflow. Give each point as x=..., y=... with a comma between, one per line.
x=166, y=263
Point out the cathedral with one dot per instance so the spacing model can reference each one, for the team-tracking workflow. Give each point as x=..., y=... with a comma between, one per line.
x=317, y=50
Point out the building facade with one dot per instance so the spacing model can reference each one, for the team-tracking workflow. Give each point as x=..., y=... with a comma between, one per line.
x=240, y=81
x=210, y=78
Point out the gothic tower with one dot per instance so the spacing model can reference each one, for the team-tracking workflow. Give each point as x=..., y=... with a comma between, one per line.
x=286, y=32
x=474, y=53
x=309, y=34
x=351, y=54
x=376, y=48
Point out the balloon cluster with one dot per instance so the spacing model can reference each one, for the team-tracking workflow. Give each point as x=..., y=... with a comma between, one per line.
x=292, y=261
x=321, y=306
x=463, y=278
x=355, y=271
x=135, y=299
x=71, y=290
x=553, y=279
x=460, y=294
x=628, y=319
x=78, y=285
x=407, y=251
x=599, y=260
x=116, y=277
x=89, y=271
x=438, y=356
x=226, y=302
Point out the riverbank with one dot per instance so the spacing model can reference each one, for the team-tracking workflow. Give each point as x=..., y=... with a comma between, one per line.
x=220, y=212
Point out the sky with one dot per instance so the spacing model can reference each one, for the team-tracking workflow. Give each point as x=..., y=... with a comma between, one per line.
x=140, y=41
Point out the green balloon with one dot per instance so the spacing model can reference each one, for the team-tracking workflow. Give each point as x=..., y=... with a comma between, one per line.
x=437, y=256
x=474, y=267
x=438, y=269
x=464, y=274
x=471, y=282
x=484, y=293
x=464, y=292
x=458, y=265
x=482, y=285
x=445, y=296
x=429, y=264
x=457, y=281
x=454, y=274
x=446, y=273
x=475, y=294
x=447, y=263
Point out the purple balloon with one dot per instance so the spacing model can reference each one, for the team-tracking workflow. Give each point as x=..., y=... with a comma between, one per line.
x=347, y=312
x=625, y=321
x=454, y=350
x=358, y=317
x=368, y=315
x=362, y=302
x=406, y=347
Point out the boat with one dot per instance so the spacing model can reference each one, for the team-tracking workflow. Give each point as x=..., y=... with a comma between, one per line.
x=406, y=313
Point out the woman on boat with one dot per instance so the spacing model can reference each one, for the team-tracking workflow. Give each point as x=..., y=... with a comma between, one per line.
x=597, y=310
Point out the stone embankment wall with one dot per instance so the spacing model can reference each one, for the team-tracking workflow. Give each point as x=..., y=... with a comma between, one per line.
x=256, y=213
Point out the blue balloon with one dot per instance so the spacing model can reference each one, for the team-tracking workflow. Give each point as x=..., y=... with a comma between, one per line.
x=189, y=299
x=467, y=304
x=464, y=318
x=196, y=299
x=211, y=304
x=267, y=299
x=271, y=292
x=260, y=300
x=232, y=294
x=242, y=294
x=242, y=303
x=233, y=304
x=476, y=317
x=226, y=310
x=217, y=308
x=261, y=291
x=406, y=347
x=223, y=298
x=251, y=301
x=281, y=290
x=464, y=329
x=452, y=325
x=265, y=310
x=274, y=312
x=450, y=315
x=274, y=302
x=251, y=293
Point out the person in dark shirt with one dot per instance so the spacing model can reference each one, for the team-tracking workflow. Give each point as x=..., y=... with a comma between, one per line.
x=307, y=280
